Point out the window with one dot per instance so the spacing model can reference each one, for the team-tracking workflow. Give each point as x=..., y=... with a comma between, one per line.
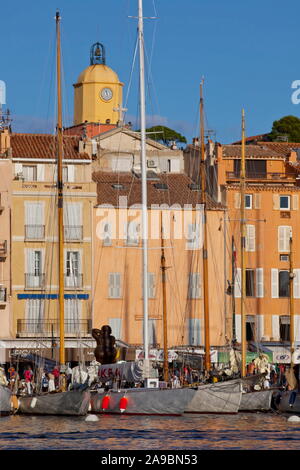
x=152, y=332
x=194, y=286
x=194, y=237
x=132, y=235
x=248, y=201
x=107, y=235
x=284, y=328
x=73, y=276
x=73, y=229
x=284, y=286
x=254, y=168
x=284, y=203
x=116, y=327
x=34, y=315
x=250, y=282
x=34, y=221
x=34, y=276
x=72, y=315
x=250, y=328
x=114, y=285
x=29, y=172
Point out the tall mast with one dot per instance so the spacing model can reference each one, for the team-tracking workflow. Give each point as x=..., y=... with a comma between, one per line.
x=144, y=178
x=60, y=198
x=243, y=246
x=292, y=309
x=165, y=319
x=205, y=253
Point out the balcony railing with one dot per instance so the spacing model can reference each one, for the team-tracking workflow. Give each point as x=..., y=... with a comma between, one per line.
x=34, y=232
x=73, y=281
x=3, y=248
x=50, y=328
x=270, y=176
x=33, y=281
x=3, y=293
x=73, y=232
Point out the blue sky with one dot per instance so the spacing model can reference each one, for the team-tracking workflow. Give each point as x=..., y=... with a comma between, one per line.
x=247, y=51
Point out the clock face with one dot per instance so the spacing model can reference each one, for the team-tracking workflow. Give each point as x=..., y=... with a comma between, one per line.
x=106, y=94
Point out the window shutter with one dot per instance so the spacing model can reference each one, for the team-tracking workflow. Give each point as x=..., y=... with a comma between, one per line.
x=274, y=283
x=284, y=233
x=71, y=173
x=40, y=172
x=152, y=331
x=116, y=327
x=276, y=205
x=259, y=282
x=275, y=327
x=194, y=286
x=18, y=168
x=117, y=285
x=250, y=237
x=238, y=283
x=111, y=285
x=194, y=332
x=297, y=284
x=238, y=328
x=151, y=285
x=295, y=202
x=237, y=200
x=260, y=327
x=257, y=201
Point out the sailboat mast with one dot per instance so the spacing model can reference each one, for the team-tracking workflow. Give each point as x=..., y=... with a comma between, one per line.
x=205, y=254
x=60, y=197
x=243, y=247
x=164, y=292
x=144, y=177
x=292, y=309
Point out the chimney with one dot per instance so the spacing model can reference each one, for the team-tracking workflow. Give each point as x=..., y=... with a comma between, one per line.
x=4, y=142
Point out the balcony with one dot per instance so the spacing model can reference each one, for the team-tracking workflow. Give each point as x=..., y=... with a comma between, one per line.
x=33, y=281
x=3, y=294
x=73, y=281
x=73, y=232
x=261, y=176
x=3, y=249
x=50, y=328
x=34, y=232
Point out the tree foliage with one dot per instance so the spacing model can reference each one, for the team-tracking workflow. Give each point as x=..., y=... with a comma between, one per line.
x=165, y=135
x=287, y=126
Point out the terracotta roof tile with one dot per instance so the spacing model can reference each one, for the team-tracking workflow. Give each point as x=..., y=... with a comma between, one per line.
x=44, y=146
x=253, y=151
x=178, y=190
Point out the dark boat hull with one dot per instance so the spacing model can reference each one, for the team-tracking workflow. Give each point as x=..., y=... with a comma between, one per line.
x=289, y=402
x=143, y=401
x=5, y=400
x=71, y=403
x=220, y=397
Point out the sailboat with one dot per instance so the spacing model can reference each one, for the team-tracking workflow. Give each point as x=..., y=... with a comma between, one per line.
x=256, y=400
x=289, y=401
x=148, y=399
x=5, y=395
x=219, y=397
x=74, y=402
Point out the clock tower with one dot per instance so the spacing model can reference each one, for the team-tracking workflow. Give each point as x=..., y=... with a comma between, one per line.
x=98, y=91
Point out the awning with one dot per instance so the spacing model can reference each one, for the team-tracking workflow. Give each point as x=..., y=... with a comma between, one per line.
x=223, y=356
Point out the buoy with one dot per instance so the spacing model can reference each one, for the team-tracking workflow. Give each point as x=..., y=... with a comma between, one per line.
x=123, y=404
x=92, y=418
x=105, y=402
x=294, y=419
x=33, y=403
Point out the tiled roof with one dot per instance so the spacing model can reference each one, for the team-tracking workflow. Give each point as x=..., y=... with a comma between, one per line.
x=283, y=147
x=90, y=129
x=178, y=190
x=44, y=146
x=252, y=151
x=295, y=166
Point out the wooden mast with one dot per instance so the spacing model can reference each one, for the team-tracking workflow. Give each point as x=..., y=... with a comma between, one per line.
x=60, y=197
x=205, y=256
x=164, y=291
x=243, y=246
x=292, y=309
